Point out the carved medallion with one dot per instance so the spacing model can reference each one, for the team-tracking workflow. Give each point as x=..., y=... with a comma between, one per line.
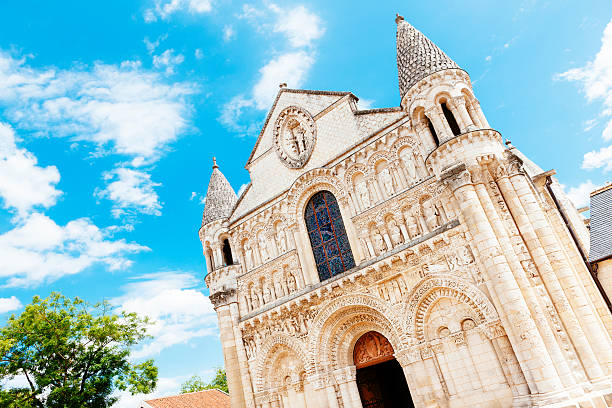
x=295, y=134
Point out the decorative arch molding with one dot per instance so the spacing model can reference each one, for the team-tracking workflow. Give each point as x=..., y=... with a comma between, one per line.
x=376, y=158
x=408, y=141
x=425, y=294
x=350, y=173
x=308, y=184
x=348, y=314
x=268, y=351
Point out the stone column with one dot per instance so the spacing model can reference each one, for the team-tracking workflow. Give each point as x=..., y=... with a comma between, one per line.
x=356, y=203
x=525, y=337
x=438, y=120
x=426, y=137
x=358, y=254
x=223, y=301
x=480, y=114
x=576, y=313
x=327, y=394
x=460, y=108
x=309, y=268
x=242, y=358
x=533, y=302
x=347, y=381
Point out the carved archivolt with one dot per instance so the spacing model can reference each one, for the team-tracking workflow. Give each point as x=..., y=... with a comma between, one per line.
x=425, y=294
x=269, y=350
x=308, y=184
x=356, y=313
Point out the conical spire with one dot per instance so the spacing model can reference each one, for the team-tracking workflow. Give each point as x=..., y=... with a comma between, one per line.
x=417, y=56
x=220, y=197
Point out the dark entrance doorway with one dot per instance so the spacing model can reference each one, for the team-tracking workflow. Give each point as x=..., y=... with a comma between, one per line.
x=380, y=377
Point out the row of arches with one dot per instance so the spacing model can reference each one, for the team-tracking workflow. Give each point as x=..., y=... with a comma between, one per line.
x=458, y=358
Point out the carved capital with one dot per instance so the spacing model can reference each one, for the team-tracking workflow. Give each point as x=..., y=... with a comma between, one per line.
x=514, y=165
x=493, y=329
x=408, y=356
x=456, y=177
x=223, y=297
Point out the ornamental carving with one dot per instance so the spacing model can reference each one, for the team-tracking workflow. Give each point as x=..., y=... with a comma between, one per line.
x=295, y=134
x=372, y=348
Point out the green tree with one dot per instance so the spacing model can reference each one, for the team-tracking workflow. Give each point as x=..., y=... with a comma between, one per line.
x=72, y=354
x=195, y=383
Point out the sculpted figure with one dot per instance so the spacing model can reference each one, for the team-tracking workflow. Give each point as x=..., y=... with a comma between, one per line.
x=364, y=194
x=432, y=215
x=379, y=242
x=408, y=160
x=254, y=298
x=248, y=255
x=412, y=224
x=466, y=255
x=263, y=248
x=281, y=239
x=291, y=283
x=267, y=294
x=387, y=181
x=395, y=232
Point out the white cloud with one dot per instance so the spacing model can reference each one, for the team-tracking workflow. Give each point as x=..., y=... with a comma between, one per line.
x=168, y=60
x=228, y=33
x=300, y=25
x=39, y=250
x=152, y=45
x=301, y=28
x=23, y=184
x=291, y=68
x=165, y=8
x=365, y=104
x=127, y=111
x=180, y=310
x=9, y=304
x=131, y=189
x=580, y=195
x=198, y=53
x=596, y=80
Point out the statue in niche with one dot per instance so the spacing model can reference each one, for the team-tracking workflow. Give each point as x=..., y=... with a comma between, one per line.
x=412, y=223
x=254, y=298
x=468, y=324
x=387, y=181
x=379, y=242
x=395, y=232
x=267, y=293
x=291, y=283
x=263, y=248
x=364, y=194
x=248, y=255
x=432, y=214
x=407, y=158
x=281, y=239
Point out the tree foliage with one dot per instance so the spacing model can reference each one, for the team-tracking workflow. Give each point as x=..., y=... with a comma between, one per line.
x=195, y=383
x=72, y=354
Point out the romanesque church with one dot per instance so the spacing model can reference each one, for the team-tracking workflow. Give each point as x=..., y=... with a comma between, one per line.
x=402, y=257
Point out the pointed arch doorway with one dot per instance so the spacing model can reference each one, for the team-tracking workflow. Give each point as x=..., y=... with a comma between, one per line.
x=380, y=378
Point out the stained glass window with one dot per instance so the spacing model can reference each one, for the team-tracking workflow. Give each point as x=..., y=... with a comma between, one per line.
x=330, y=245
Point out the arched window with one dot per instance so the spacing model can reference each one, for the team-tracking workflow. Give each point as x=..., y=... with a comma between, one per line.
x=227, y=253
x=450, y=118
x=330, y=244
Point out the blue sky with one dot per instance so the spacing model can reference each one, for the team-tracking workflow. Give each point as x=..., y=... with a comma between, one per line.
x=110, y=113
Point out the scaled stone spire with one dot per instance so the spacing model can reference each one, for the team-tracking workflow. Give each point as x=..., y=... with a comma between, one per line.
x=220, y=197
x=417, y=56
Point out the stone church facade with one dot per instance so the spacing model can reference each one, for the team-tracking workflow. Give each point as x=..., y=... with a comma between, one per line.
x=402, y=257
